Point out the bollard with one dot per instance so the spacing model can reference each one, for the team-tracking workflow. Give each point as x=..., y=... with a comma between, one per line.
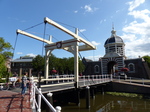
x=39, y=100
x=87, y=97
x=50, y=99
x=58, y=109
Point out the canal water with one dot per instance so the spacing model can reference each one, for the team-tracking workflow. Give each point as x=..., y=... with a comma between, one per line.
x=110, y=103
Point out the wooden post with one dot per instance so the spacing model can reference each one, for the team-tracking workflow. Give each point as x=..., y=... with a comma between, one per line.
x=50, y=99
x=87, y=97
x=92, y=93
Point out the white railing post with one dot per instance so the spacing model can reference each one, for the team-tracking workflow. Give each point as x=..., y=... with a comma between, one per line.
x=63, y=78
x=130, y=79
x=84, y=79
x=143, y=81
x=100, y=78
x=96, y=79
x=68, y=77
x=111, y=78
x=58, y=79
x=33, y=103
x=72, y=77
x=31, y=89
x=58, y=109
x=39, y=100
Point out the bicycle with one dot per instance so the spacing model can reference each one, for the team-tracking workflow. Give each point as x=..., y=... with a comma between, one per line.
x=12, y=84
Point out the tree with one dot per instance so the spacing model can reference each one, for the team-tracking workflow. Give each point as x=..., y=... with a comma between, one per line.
x=38, y=63
x=5, y=52
x=147, y=59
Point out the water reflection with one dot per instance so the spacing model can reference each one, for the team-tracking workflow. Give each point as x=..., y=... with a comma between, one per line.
x=110, y=103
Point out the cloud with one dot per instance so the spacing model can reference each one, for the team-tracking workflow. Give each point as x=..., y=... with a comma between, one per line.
x=143, y=14
x=82, y=30
x=135, y=3
x=136, y=33
x=76, y=11
x=95, y=43
x=31, y=54
x=102, y=21
x=88, y=8
x=19, y=53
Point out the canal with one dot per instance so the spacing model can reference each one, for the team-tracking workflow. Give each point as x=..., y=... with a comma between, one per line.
x=110, y=103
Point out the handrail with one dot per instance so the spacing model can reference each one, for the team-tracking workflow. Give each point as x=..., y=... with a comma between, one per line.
x=95, y=79
x=37, y=104
x=132, y=80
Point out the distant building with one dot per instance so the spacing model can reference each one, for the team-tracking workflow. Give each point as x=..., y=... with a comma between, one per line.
x=21, y=65
x=114, y=60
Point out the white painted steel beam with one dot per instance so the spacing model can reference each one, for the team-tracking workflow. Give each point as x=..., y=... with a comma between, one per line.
x=81, y=48
x=69, y=32
x=33, y=36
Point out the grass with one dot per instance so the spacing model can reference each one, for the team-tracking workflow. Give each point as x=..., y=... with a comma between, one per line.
x=124, y=94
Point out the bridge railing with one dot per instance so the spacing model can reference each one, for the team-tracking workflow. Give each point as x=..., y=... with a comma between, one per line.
x=95, y=79
x=36, y=104
x=60, y=78
x=55, y=80
x=132, y=80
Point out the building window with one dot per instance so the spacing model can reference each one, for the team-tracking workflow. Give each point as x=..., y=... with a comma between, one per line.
x=131, y=68
x=96, y=69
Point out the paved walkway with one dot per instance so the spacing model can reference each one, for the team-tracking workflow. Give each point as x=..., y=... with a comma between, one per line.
x=14, y=102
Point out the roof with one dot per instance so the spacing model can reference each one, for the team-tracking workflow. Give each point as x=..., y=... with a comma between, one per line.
x=114, y=38
x=23, y=59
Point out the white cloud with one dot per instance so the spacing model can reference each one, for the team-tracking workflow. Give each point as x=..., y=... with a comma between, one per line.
x=135, y=3
x=102, y=21
x=31, y=54
x=143, y=14
x=19, y=53
x=76, y=11
x=88, y=8
x=95, y=43
x=136, y=33
x=82, y=30
x=128, y=37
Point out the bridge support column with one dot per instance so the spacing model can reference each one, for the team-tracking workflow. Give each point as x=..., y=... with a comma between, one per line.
x=47, y=54
x=92, y=93
x=87, y=97
x=77, y=97
x=50, y=99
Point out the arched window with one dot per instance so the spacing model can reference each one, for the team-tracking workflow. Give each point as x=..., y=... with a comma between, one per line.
x=96, y=69
x=131, y=68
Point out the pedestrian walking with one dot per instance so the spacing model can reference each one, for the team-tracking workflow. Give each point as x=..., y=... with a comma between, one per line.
x=24, y=84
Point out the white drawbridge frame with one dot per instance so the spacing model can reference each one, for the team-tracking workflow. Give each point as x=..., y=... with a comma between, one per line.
x=71, y=45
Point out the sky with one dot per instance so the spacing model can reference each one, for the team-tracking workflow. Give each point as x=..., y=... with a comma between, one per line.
x=93, y=18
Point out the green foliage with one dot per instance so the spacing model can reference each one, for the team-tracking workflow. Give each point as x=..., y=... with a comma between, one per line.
x=38, y=63
x=147, y=59
x=62, y=65
x=5, y=52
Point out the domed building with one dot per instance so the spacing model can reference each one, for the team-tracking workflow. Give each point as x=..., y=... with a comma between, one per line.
x=115, y=60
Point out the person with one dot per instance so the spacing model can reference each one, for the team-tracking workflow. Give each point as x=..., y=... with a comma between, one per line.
x=24, y=84
x=15, y=74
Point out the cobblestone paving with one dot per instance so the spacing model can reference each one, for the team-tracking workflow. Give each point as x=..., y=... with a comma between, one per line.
x=14, y=102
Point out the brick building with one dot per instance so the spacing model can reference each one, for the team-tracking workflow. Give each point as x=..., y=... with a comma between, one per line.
x=114, y=60
x=21, y=65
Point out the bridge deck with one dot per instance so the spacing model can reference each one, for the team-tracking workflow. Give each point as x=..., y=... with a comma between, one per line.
x=70, y=85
